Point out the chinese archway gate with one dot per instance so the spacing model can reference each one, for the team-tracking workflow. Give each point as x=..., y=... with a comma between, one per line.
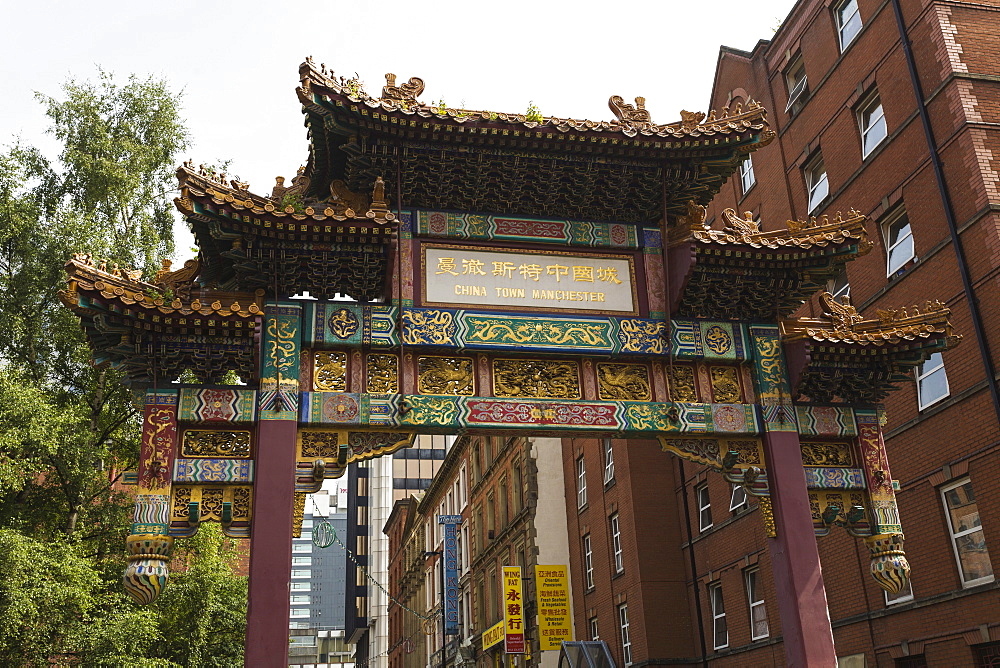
x=506, y=273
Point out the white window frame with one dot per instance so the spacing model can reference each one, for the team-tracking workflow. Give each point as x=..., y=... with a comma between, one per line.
x=844, y=25
x=797, y=87
x=609, y=461
x=872, y=111
x=718, y=613
x=901, y=597
x=959, y=534
x=463, y=477
x=616, y=544
x=626, y=640
x=301, y=586
x=299, y=598
x=817, y=184
x=594, y=631
x=844, y=290
x=747, y=180
x=298, y=612
x=744, y=498
x=301, y=548
x=887, y=225
x=301, y=573
x=922, y=373
x=753, y=590
x=704, y=504
x=302, y=561
x=588, y=562
x=581, y=482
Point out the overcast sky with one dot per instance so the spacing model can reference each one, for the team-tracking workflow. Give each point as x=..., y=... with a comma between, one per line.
x=237, y=62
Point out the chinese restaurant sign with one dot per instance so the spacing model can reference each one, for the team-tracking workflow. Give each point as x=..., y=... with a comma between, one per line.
x=552, y=591
x=450, y=523
x=513, y=615
x=528, y=281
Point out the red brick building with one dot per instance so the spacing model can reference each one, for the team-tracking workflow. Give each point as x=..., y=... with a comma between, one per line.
x=891, y=108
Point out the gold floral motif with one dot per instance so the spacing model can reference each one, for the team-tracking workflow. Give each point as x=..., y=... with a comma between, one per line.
x=749, y=451
x=626, y=382
x=541, y=379
x=682, y=383
x=767, y=514
x=182, y=496
x=726, y=385
x=445, y=375
x=330, y=372
x=318, y=444
x=383, y=374
x=826, y=454
x=211, y=504
x=298, y=513
x=242, y=498
x=233, y=443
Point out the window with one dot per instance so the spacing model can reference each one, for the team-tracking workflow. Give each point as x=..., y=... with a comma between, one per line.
x=906, y=594
x=898, y=242
x=839, y=286
x=302, y=547
x=626, y=642
x=816, y=183
x=912, y=661
x=301, y=561
x=871, y=120
x=299, y=598
x=594, y=634
x=720, y=632
x=301, y=573
x=738, y=499
x=299, y=612
x=848, y=22
x=758, y=613
x=588, y=562
x=987, y=655
x=463, y=479
x=967, y=534
x=581, y=483
x=932, y=382
x=704, y=507
x=798, y=85
x=746, y=175
x=616, y=544
x=609, y=462
x=300, y=586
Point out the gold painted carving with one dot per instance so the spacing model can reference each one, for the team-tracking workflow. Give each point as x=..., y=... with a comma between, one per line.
x=330, y=372
x=210, y=500
x=826, y=454
x=234, y=443
x=749, y=451
x=406, y=92
x=383, y=374
x=726, y=385
x=541, y=379
x=626, y=382
x=767, y=514
x=626, y=113
x=318, y=444
x=445, y=375
x=682, y=383
x=298, y=513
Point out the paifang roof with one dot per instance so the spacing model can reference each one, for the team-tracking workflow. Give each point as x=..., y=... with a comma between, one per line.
x=628, y=169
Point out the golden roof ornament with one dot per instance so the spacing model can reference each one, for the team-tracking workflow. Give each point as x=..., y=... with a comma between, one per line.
x=406, y=92
x=626, y=113
x=740, y=227
x=691, y=119
x=841, y=313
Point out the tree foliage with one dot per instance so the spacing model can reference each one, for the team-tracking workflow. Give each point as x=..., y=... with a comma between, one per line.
x=68, y=429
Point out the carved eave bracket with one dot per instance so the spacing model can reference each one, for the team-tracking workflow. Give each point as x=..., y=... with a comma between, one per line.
x=847, y=358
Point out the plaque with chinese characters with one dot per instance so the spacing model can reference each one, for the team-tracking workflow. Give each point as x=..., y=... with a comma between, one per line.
x=528, y=281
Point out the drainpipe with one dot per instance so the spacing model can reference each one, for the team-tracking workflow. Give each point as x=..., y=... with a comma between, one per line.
x=694, y=566
x=949, y=212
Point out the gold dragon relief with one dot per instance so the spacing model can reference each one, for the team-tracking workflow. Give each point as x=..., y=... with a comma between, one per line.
x=682, y=383
x=232, y=443
x=623, y=382
x=330, y=372
x=826, y=454
x=726, y=385
x=382, y=374
x=445, y=375
x=541, y=379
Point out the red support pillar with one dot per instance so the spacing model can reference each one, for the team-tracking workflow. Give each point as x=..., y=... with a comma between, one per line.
x=274, y=490
x=798, y=574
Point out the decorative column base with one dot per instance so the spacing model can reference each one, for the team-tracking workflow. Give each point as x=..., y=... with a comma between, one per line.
x=148, y=567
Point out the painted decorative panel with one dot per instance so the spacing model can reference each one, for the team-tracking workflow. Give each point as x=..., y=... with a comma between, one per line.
x=230, y=443
x=451, y=225
x=217, y=405
x=829, y=421
x=726, y=385
x=826, y=454
x=624, y=382
x=821, y=477
x=330, y=371
x=382, y=373
x=213, y=470
x=445, y=375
